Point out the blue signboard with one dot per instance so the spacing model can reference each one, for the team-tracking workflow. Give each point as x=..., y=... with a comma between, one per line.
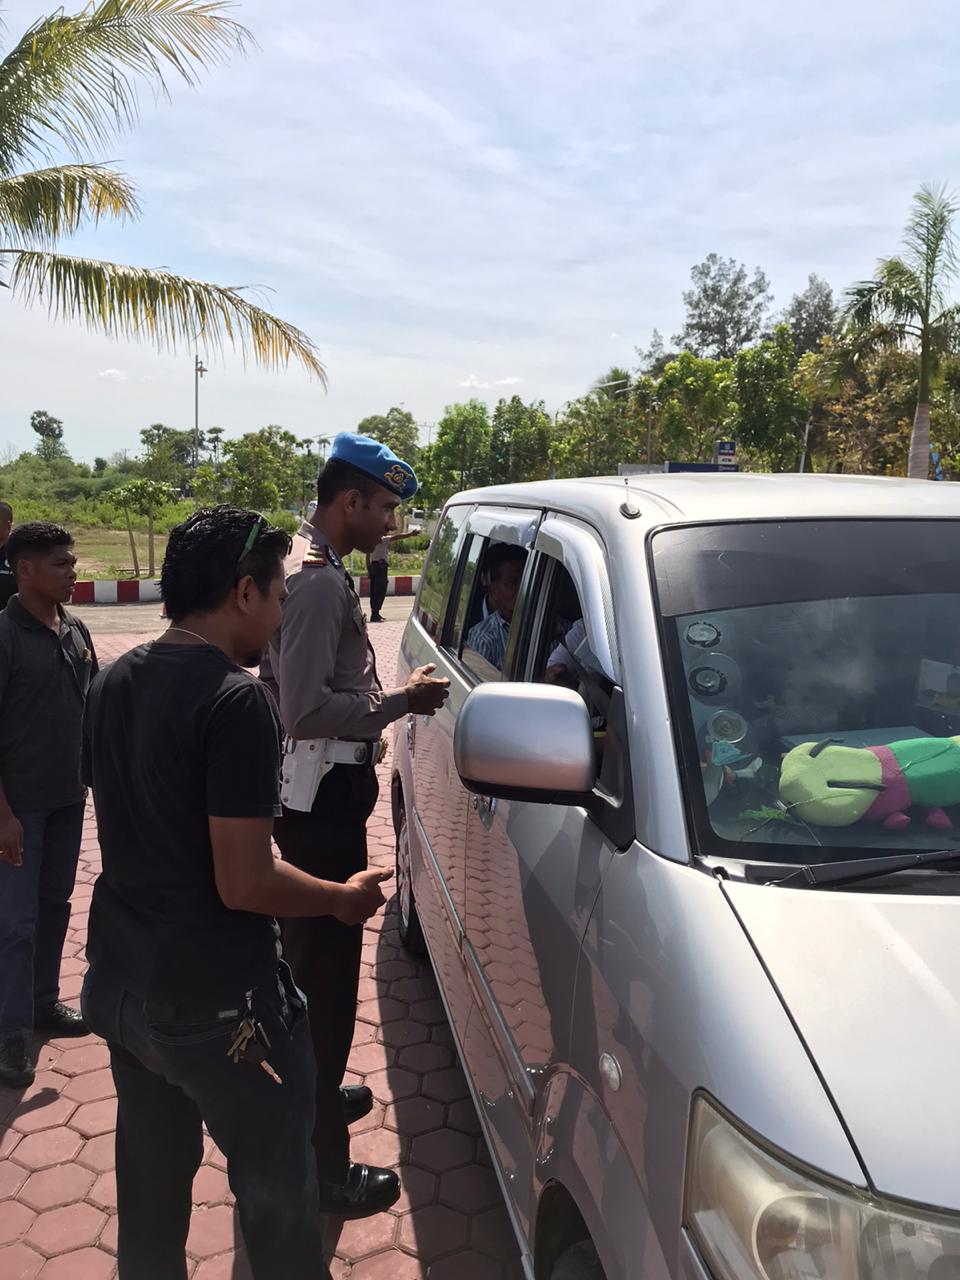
x=699, y=466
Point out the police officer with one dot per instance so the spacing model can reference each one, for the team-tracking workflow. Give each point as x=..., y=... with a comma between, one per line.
x=322, y=670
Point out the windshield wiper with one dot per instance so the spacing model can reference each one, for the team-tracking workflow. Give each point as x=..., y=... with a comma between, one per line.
x=840, y=873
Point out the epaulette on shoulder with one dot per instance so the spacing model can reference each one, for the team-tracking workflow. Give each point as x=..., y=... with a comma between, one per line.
x=316, y=557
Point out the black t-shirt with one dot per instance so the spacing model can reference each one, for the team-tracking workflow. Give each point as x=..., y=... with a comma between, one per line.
x=174, y=734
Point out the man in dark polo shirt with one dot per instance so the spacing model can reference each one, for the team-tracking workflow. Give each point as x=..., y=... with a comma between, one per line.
x=8, y=583
x=46, y=664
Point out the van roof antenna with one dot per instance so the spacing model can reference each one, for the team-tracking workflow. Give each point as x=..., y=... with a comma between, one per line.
x=628, y=508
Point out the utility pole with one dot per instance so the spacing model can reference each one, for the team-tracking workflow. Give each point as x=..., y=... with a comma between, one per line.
x=199, y=369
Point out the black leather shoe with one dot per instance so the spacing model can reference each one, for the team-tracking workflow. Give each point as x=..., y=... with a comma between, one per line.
x=56, y=1019
x=357, y=1102
x=368, y=1190
x=17, y=1068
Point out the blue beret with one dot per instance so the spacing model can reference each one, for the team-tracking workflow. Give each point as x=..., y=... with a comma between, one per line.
x=377, y=461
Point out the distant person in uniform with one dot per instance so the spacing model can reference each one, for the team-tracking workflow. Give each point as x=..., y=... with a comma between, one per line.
x=182, y=749
x=322, y=669
x=8, y=583
x=46, y=665
x=503, y=566
x=377, y=567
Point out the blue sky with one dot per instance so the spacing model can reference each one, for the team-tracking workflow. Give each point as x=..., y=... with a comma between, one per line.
x=479, y=199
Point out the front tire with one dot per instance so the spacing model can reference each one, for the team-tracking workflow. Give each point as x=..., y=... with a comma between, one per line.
x=578, y=1263
x=408, y=922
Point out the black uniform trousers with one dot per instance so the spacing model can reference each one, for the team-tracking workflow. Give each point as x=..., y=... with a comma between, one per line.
x=378, y=586
x=329, y=842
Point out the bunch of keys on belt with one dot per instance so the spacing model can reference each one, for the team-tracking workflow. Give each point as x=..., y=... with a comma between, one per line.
x=250, y=1044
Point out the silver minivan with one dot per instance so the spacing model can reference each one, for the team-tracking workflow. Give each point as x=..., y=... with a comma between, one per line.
x=680, y=848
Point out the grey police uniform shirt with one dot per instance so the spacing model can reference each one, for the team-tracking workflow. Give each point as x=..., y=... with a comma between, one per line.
x=319, y=664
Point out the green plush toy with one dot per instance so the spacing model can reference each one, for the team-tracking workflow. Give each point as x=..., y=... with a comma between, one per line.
x=830, y=785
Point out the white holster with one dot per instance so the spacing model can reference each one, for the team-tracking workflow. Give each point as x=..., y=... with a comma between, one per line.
x=307, y=761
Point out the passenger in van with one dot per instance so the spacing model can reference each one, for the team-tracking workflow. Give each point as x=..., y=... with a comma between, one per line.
x=504, y=566
x=561, y=667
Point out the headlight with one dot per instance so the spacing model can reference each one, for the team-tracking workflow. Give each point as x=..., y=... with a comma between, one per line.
x=755, y=1218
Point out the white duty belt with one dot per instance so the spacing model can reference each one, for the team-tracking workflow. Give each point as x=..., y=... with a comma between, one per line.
x=307, y=761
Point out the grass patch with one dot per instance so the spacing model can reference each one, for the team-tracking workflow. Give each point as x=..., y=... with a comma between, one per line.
x=105, y=553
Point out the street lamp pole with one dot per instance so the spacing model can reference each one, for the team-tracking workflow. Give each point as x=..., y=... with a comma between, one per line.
x=199, y=369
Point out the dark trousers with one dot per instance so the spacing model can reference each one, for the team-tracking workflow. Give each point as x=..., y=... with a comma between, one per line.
x=329, y=842
x=173, y=1075
x=378, y=586
x=34, y=914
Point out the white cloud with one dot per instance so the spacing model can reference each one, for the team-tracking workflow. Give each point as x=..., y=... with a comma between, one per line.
x=113, y=375
x=614, y=335
x=472, y=382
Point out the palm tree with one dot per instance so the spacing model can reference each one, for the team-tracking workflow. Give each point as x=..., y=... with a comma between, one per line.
x=905, y=305
x=71, y=83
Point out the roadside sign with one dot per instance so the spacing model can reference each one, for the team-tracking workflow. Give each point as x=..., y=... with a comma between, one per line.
x=698, y=466
x=638, y=469
x=725, y=454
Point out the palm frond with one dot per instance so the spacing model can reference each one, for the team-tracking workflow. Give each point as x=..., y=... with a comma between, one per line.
x=36, y=208
x=169, y=310
x=893, y=296
x=72, y=78
x=930, y=242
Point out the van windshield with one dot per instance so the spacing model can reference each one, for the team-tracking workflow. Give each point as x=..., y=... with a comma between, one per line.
x=814, y=671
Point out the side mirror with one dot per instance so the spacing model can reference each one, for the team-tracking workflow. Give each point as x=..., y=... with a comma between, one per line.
x=526, y=742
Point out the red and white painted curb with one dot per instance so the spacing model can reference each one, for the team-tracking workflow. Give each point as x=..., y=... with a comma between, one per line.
x=143, y=591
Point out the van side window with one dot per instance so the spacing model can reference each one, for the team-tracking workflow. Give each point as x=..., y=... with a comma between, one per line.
x=485, y=638
x=439, y=571
x=561, y=651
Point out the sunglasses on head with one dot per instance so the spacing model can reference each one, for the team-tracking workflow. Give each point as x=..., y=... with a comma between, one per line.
x=256, y=529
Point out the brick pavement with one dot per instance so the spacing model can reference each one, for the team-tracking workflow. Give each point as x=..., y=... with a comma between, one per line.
x=57, y=1189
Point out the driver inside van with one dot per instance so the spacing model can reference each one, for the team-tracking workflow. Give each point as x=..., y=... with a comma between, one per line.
x=504, y=565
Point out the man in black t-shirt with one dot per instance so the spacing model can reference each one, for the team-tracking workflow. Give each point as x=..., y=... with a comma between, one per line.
x=182, y=749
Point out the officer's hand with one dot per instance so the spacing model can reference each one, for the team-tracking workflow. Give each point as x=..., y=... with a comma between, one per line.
x=11, y=840
x=363, y=896
x=425, y=693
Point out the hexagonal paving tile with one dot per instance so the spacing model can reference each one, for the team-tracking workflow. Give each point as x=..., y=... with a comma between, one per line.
x=90, y=1087
x=63, y=1184
x=431, y=1232
x=360, y=1239
x=445, y=1149
x=211, y=1186
x=94, y=1118
x=43, y=1114
x=491, y=1233
x=413, y=1116
x=392, y=1084
x=211, y=1231
x=446, y=1086
x=15, y=1219
x=84, y=1264
x=52, y=1146
x=12, y=1178
x=104, y=1193
x=470, y=1189
x=73, y=1226
x=466, y=1266
x=18, y=1262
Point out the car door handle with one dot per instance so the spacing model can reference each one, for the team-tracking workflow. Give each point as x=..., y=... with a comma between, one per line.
x=411, y=733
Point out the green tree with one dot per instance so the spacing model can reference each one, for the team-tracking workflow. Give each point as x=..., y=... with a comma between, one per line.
x=905, y=306
x=770, y=410
x=50, y=430
x=99, y=466
x=600, y=430
x=520, y=439
x=213, y=439
x=696, y=404
x=71, y=83
x=207, y=485
x=397, y=429
x=811, y=315
x=459, y=457
x=143, y=497
x=726, y=309
x=262, y=469
x=168, y=454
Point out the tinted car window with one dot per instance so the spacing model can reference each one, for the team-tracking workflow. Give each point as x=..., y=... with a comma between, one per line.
x=439, y=571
